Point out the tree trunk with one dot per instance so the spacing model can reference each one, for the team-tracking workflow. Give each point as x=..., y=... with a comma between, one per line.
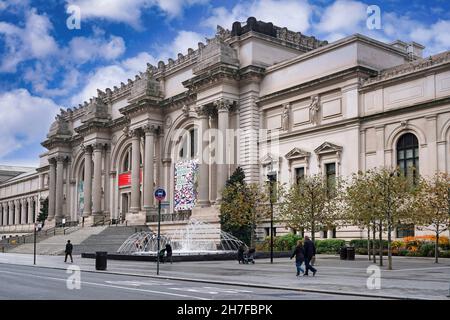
x=380, y=240
x=389, y=246
x=368, y=243
x=374, y=234
x=313, y=231
x=436, y=249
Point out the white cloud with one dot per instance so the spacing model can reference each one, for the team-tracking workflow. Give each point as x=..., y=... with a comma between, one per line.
x=25, y=119
x=183, y=41
x=112, y=75
x=82, y=49
x=130, y=11
x=343, y=16
x=31, y=42
x=293, y=14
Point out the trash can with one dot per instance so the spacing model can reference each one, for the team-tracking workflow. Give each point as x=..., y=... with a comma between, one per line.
x=350, y=253
x=100, y=260
x=343, y=253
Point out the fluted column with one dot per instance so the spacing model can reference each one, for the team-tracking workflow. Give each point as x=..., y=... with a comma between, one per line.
x=87, y=181
x=30, y=210
x=2, y=212
x=36, y=208
x=203, y=188
x=223, y=109
x=97, y=182
x=52, y=189
x=149, y=169
x=5, y=213
x=23, y=211
x=107, y=179
x=59, y=187
x=17, y=212
x=135, y=171
x=11, y=213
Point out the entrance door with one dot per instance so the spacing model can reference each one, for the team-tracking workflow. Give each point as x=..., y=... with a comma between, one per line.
x=125, y=208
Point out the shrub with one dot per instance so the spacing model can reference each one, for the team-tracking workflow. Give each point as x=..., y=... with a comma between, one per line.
x=444, y=254
x=403, y=252
x=283, y=243
x=362, y=243
x=427, y=249
x=329, y=245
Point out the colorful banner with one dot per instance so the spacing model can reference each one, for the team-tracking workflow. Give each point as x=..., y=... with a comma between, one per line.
x=125, y=179
x=80, y=198
x=185, y=195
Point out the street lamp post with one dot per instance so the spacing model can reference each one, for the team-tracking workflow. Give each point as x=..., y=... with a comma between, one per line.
x=272, y=177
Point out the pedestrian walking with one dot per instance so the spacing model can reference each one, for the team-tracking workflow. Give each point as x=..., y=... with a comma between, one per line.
x=169, y=252
x=69, y=248
x=240, y=254
x=310, y=253
x=299, y=254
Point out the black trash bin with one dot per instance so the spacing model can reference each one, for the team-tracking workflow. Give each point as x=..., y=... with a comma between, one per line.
x=343, y=253
x=101, y=260
x=350, y=253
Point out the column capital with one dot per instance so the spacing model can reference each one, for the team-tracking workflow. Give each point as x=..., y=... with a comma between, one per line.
x=52, y=161
x=61, y=158
x=98, y=146
x=135, y=133
x=202, y=111
x=150, y=129
x=224, y=105
x=86, y=148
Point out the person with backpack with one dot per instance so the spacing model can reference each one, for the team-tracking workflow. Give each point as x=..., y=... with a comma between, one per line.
x=299, y=254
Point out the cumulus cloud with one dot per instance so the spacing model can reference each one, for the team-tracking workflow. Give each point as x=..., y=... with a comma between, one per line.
x=130, y=11
x=33, y=41
x=343, y=16
x=83, y=49
x=293, y=14
x=25, y=120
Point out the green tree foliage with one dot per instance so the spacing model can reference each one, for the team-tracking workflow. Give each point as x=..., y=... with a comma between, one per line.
x=43, y=213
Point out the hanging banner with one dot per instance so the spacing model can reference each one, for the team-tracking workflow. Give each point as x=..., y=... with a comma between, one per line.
x=185, y=195
x=80, y=198
x=125, y=179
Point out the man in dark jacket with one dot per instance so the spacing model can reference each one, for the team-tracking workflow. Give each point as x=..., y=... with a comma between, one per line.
x=69, y=248
x=310, y=252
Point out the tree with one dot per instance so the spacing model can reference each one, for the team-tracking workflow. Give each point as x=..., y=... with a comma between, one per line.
x=309, y=204
x=393, y=194
x=243, y=207
x=432, y=206
x=359, y=209
x=43, y=213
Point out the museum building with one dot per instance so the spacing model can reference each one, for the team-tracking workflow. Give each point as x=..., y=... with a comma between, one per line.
x=261, y=97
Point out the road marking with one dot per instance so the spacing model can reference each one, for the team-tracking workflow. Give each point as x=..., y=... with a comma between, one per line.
x=140, y=283
x=211, y=290
x=106, y=285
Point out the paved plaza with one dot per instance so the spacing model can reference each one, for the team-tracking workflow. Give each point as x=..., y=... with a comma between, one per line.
x=412, y=278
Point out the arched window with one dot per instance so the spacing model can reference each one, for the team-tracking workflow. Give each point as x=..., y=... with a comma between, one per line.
x=408, y=155
x=126, y=164
x=189, y=144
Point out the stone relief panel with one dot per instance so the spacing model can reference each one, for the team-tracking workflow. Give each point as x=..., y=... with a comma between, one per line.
x=443, y=84
x=300, y=112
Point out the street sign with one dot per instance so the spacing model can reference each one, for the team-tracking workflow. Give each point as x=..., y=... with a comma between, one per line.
x=160, y=194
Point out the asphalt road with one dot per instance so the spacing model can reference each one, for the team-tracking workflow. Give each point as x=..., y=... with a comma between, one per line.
x=34, y=283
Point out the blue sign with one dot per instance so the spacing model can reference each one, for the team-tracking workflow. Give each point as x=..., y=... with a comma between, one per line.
x=160, y=194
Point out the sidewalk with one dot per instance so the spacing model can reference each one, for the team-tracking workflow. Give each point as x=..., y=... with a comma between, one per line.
x=412, y=278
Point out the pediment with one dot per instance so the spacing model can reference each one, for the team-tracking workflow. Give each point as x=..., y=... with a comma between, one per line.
x=268, y=159
x=327, y=147
x=297, y=153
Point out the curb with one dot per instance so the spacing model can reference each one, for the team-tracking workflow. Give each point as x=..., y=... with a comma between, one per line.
x=241, y=284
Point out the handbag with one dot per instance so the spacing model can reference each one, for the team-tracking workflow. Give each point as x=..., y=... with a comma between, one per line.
x=313, y=260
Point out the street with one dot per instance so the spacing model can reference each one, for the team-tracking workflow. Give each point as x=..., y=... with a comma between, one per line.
x=34, y=283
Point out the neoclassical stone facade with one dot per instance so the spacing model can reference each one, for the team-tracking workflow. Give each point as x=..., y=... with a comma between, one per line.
x=260, y=97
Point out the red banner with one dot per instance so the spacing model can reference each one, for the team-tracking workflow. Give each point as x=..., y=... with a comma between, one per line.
x=125, y=179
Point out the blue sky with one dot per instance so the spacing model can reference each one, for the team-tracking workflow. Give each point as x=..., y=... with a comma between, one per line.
x=45, y=66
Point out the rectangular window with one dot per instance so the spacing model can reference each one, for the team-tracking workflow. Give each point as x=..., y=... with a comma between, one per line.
x=330, y=170
x=299, y=174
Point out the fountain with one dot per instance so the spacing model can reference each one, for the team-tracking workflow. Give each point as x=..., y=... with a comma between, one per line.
x=196, y=239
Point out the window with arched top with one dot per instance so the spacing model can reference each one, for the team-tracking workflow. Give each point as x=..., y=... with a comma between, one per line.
x=189, y=145
x=408, y=155
x=127, y=160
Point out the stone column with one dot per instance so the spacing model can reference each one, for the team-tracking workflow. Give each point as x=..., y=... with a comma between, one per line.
x=59, y=188
x=223, y=109
x=135, y=171
x=5, y=213
x=2, y=212
x=203, y=192
x=97, y=182
x=30, y=210
x=107, y=179
x=11, y=213
x=149, y=165
x=17, y=212
x=23, y=211
x=87, y=181
x=52, y=189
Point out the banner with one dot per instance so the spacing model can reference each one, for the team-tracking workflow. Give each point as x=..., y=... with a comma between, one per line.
x=125, y=179
x=185, y=195
x=80, y=198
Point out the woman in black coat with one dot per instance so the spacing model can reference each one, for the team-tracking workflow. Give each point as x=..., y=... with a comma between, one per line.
x=299, y=253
